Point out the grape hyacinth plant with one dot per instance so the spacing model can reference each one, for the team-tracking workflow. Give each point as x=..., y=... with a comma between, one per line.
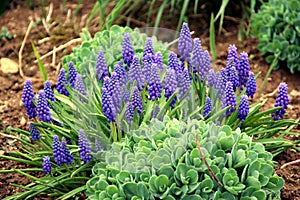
x=48, y=91
x=43, y=109
x=281, y=100
x=101, y=67
x=34, y=132
x=62, y=83
x=47, y=165
x=127, y=50
x=72, y=74
x=185, y=43
x=28, y=98
x=84, y=147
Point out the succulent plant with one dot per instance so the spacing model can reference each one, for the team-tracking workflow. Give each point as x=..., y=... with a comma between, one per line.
x=277, y=27
x=160, y=160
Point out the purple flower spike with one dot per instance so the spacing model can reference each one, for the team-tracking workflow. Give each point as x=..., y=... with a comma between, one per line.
x=48, y=91
x=185, y=44
x=58, y=151
x=232, y=75
x=98, y=145
x=197, y=58
x=207, y=108
x=127, y=50
x=148, y=47
x=173, y=62
x=129, y=113
x=72, y=74
x=47, y=165
x=68, y=156
x=170, y=85
x=43, y=109
x=121, y=72
x=136, y=100
x=243, y=69
x=281, y=100
x=155, y=87
x=79, y=86
x=243, y=109
x=220, y=83
x=106, y=84
x=159, y=61
x=115, y=91
x=136, y=74
x=108, y=107
x=206, y=65
x=210, y=77
x=61, y=82
x=229, y=98
x=251, y=85
x=34, y=132
x=184, y=83
x=84, y=147
x=233, y=56
x=28, y=98
x=101, y=67
x=147, y=65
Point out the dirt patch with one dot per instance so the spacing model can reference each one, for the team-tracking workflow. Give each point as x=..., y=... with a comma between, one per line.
x=62, y=30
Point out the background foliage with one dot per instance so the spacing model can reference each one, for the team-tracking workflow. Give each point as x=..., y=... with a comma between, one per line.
x=277, y=27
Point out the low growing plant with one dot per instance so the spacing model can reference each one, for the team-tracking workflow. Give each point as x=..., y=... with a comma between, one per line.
x=277, y=27
x=160, y=160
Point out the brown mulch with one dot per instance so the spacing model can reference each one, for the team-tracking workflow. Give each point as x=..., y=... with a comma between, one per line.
x=17, y=18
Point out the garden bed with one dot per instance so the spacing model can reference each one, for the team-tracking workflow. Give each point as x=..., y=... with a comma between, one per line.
x=62, y=31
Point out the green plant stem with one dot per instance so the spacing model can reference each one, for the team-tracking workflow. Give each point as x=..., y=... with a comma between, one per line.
x=274, y=63
x=212, y=42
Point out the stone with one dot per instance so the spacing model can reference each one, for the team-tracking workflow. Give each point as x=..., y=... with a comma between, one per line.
x=8, y=66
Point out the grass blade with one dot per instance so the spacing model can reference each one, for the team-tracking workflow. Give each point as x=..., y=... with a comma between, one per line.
x=212, y=42
x=40, y=64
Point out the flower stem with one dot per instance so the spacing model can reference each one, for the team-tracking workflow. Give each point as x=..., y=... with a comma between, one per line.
x=205, y=162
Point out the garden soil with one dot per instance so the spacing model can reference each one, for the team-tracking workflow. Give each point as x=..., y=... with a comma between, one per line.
x=63, y=27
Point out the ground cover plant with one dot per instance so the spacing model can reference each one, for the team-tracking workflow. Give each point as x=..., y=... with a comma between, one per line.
x=94, y=105
x=160, y=160
x=277, y=27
